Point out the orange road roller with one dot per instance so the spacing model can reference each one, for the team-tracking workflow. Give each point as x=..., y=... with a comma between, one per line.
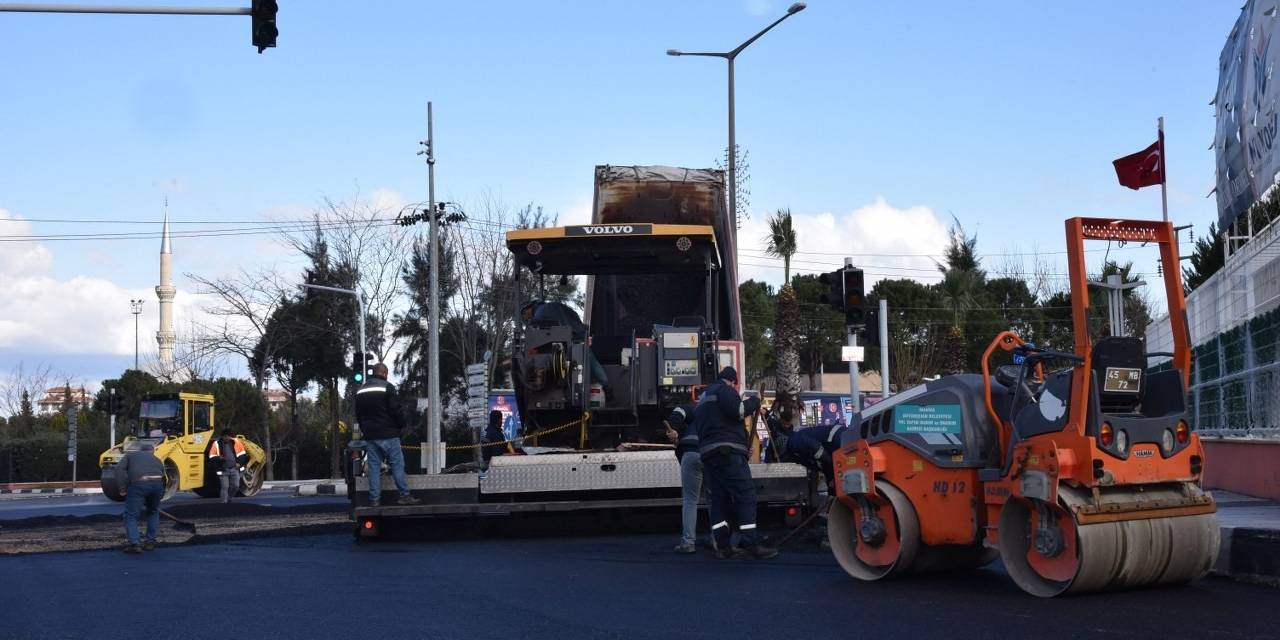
x=1079, y=470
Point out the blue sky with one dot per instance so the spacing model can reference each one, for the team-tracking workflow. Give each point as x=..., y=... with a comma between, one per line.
x=1006, y=115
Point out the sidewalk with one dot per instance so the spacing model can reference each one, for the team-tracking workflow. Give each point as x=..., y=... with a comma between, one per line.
x=1250, y=546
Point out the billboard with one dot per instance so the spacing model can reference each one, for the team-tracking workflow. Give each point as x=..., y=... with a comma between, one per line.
x=1244, y=139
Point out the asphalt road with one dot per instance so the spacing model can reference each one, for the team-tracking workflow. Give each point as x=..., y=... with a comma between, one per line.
x=628, y=586
x=35, y=506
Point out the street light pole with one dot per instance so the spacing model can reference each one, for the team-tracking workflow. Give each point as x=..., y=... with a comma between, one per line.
x=733, y=142
x=135, y=306
x=361, y=348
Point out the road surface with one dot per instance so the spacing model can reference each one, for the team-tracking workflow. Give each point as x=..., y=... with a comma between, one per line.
x=628, y=586
x=93, y=504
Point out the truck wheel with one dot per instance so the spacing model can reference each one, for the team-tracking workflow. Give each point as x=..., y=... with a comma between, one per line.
x=251, y=480
x=170, y=480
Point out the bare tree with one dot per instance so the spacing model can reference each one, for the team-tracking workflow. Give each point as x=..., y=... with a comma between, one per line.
x=22, y=380
x=244, y=304
x=194, y=357
x=363, y=234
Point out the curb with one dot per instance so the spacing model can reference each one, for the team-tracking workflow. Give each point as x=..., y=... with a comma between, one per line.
x=1249, y=554
x=321, y=490
x=64, y=491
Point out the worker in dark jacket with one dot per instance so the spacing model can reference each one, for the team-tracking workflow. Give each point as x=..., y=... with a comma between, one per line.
x=140, y=475
x=683, y=433
x=381, y=421
x=724, y=446
x=814, y=448
x=781, y=424
x=560, y=314
x=495, y=439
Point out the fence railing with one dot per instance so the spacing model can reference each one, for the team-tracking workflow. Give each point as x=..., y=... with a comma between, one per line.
x=1234, y=320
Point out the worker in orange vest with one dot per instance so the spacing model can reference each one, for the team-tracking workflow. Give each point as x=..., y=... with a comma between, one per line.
x=228, y=457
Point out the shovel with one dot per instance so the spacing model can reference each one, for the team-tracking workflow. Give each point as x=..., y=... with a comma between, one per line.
x=179, y=524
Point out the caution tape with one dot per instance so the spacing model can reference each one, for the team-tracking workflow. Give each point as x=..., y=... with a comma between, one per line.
x=579, y=422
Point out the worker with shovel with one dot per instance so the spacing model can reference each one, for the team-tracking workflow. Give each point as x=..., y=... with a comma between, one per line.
x=140, y=475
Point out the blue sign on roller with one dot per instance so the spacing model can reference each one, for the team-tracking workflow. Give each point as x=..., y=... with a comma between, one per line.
x=926, y=418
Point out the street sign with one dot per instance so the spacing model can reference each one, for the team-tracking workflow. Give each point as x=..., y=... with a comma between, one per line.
x=474, y=379
x=477, y=368
x=476, y=403
x=852, y=354
x=72, y=414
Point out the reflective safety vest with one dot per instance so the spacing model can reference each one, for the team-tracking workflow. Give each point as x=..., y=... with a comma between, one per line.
x=215, y=450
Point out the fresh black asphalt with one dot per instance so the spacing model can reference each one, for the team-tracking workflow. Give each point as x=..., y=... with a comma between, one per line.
x=616, y=586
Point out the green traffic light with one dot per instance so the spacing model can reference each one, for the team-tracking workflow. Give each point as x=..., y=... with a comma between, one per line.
x=359, y=377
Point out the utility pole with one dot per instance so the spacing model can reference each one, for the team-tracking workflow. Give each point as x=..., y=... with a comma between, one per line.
x=431, y=462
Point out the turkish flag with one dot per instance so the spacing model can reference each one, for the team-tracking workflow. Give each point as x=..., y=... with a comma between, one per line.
x=1144, y=168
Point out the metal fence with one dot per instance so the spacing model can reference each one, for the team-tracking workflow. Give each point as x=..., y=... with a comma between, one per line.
x=1234, y=321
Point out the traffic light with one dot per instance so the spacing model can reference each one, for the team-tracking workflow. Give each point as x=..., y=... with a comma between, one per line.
x=264, y=23
x=855, y=312
x=361, y=367
x=834, y=295
x=115, y=405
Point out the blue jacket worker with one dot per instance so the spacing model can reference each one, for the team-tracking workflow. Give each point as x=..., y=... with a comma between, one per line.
x=814, y=447
x=495, y=439
x=560, y=314
x=723, y=444
x=381, y=421
x=140, y=475
x=682, y=430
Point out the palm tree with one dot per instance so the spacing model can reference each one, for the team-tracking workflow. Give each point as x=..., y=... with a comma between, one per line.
x=961, y=282
x=781, y=243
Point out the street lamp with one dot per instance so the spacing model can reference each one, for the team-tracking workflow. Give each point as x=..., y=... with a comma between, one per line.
x=136, y=307
x=733, y=145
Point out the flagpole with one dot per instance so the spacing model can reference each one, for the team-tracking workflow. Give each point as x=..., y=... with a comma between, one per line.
x=1164, y=170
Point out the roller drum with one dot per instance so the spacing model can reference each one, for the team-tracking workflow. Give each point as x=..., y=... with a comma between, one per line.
x=1111, y=555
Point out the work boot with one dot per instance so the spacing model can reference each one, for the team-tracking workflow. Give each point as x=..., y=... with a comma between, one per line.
x=686, y=547
x=728, y=553
x=408, y=500
x=375, y=502
x=132, y=548
x=149, y=545
x=761, y=552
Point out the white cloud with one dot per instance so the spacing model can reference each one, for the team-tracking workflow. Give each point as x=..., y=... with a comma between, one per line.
x=20, y=258
x=386, y=199
x=885, y=241
x=85, y=314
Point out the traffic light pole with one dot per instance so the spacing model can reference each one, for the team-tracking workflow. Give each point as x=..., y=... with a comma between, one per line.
x=853, y=364
x=362, y=348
